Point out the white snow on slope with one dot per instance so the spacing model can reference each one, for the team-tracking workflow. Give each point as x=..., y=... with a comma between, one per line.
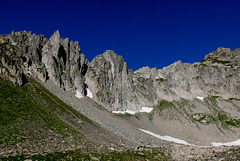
x=78, y=94
x=179, y=141
x=237, y=142
x=201, y=98
x=124, y=112
x=166, y=138
x=89, y=93
x=143, y=109
x=146, y=109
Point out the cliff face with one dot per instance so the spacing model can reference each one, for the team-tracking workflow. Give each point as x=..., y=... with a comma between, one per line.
x=107, y=77
x=55, y=59
x=116, y=87
x=111, y=83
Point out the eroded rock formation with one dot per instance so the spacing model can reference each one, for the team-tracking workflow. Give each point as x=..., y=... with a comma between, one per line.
x=108, y=78
x=55, y=59
x=117, y=87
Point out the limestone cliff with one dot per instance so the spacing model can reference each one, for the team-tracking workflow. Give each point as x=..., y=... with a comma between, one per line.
x=116, y=87
x=108, y=78
x=56, y=59
x=111, y=83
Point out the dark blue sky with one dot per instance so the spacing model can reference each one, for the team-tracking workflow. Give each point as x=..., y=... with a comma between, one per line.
x=152, y=33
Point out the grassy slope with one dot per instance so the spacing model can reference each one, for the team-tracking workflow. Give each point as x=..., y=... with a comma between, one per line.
x=32, y=116
x=215, y=115
x=34, y=121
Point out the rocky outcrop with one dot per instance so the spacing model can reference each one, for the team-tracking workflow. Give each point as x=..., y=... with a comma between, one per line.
x=10, y=64
x=64, y=63
x=108, y=79
x=56, y=59
x=118, y=88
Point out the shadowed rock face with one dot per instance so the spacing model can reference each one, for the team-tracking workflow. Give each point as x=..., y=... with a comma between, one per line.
x=111, y=83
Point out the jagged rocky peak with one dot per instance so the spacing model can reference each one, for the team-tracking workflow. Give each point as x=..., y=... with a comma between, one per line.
x=56, y=59
x=53, y=44
x=117, y=88
x=224, y=56
x=146, y=72
x=65, y=63
x=109, y=60
x=108, y=78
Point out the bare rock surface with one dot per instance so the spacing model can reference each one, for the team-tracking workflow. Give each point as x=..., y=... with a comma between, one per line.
x=108, y=78
x=110, y=81
x=55, y=59
x=117, y=88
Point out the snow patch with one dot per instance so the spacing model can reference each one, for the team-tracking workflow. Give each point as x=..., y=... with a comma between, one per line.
x=78, y=94
x=201, y=98
x=143, y=109
x=146, y=109
x=124, y=112
x=179, y=141
x=237, y=142
x=166, y=138
x=89, y=93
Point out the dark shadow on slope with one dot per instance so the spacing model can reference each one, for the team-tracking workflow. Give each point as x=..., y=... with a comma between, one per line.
x=84, y=69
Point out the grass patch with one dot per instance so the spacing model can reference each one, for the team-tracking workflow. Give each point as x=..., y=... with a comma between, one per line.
x=203, y=118
x=127, y=115
x=164, y=104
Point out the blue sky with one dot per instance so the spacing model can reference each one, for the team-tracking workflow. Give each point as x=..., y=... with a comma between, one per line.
x=152, y=33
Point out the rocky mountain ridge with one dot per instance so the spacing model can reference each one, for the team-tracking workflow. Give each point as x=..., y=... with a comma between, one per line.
x=118, y=88
x=197, y=103
x=108, y=78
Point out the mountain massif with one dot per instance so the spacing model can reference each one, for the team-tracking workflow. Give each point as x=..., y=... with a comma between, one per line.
x=197, y=102
x=108, y=78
